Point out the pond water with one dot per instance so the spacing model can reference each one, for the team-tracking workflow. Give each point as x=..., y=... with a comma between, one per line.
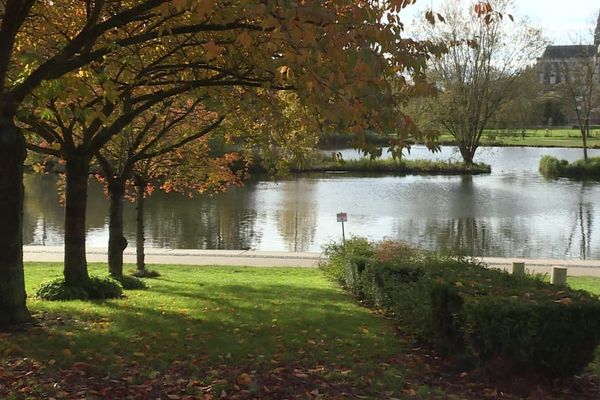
x=512, y=212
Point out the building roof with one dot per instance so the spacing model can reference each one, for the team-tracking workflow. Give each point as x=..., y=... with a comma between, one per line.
x=569, y=51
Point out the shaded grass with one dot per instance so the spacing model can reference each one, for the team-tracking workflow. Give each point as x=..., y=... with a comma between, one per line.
x=242, y=317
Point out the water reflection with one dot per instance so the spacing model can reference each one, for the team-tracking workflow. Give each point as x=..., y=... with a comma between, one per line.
x=210, y=222
x=296, y=220
x=512, y=212
x=579, y=240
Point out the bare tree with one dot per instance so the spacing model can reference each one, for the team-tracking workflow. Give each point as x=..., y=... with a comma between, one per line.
x=579, y=85
x=487, y=54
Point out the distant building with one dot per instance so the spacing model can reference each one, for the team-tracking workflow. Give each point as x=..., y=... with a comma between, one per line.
x=559, y=60
x=552, y=62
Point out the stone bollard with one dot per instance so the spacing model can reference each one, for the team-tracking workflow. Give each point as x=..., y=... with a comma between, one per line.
x=559, y=276
x=518, y=268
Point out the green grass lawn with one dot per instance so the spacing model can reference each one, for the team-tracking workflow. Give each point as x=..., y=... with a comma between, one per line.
x=222, y=325
x=535, y=138
x=206, y=332
x=591, y=284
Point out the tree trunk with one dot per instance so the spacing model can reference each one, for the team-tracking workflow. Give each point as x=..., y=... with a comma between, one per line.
x=584, y=134
x=13, y=309
x=77, y=168
x=116, y=240
x=467, y=154
x=140, y=239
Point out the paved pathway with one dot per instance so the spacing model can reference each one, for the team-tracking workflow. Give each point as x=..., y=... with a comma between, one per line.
x=185, y=256
x=279, y=258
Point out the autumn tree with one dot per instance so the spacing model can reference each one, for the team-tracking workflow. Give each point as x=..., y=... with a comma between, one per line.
x=487, y=52
x=337, y=56
x=41, y=41
x=165, y=147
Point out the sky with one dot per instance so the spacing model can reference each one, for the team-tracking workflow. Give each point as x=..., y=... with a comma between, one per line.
x=563, y=22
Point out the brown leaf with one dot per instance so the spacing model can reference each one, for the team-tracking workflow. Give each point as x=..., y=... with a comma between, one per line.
x=244, y=379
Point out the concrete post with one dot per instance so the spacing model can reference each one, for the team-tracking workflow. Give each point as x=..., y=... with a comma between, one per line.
x=559, y=276
x=518, y=268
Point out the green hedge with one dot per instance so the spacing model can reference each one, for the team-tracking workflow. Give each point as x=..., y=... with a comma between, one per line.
x=552, y=338
x=478, y=314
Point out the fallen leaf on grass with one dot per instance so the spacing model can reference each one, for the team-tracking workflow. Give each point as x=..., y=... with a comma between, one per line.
x=244, y=379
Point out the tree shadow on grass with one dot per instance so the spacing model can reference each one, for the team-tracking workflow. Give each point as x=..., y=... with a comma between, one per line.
x=234, y=324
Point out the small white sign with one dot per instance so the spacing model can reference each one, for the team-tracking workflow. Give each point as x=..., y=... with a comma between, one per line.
x=342, y=217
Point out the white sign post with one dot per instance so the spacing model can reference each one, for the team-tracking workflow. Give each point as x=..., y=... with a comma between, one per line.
x=342, y=217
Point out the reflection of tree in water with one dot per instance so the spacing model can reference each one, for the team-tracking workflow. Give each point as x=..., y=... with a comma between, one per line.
x=43, y=219
x=583, y=219
x=462, y=231
x=223, y=221
x=464, y=235
x=297, y=221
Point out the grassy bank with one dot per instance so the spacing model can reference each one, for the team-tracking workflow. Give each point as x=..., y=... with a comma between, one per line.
x=541, y=138
x=553, y=167
x=222, y=332
x=271, y=333
x=391, y=166
x=558, y=137
x=532, y=138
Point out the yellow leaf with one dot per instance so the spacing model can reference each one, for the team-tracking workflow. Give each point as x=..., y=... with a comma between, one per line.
x=67, y=352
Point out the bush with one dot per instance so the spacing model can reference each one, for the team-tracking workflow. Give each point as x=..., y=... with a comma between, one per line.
x=104, y=288
x=554, y=339
x=97, y=288
x=145, y=273
x=354, y=268
x=390, y=251
x=131, y=282
x=58, y=290
x=472, y=312
x=337, y=256
x=552, y=167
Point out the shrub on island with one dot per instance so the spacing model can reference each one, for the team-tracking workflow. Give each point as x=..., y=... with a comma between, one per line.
x=553, y=167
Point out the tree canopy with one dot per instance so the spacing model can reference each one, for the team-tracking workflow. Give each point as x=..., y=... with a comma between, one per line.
x=338, y=57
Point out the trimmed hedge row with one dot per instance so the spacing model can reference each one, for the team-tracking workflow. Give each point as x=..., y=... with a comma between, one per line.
x=482, y=315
